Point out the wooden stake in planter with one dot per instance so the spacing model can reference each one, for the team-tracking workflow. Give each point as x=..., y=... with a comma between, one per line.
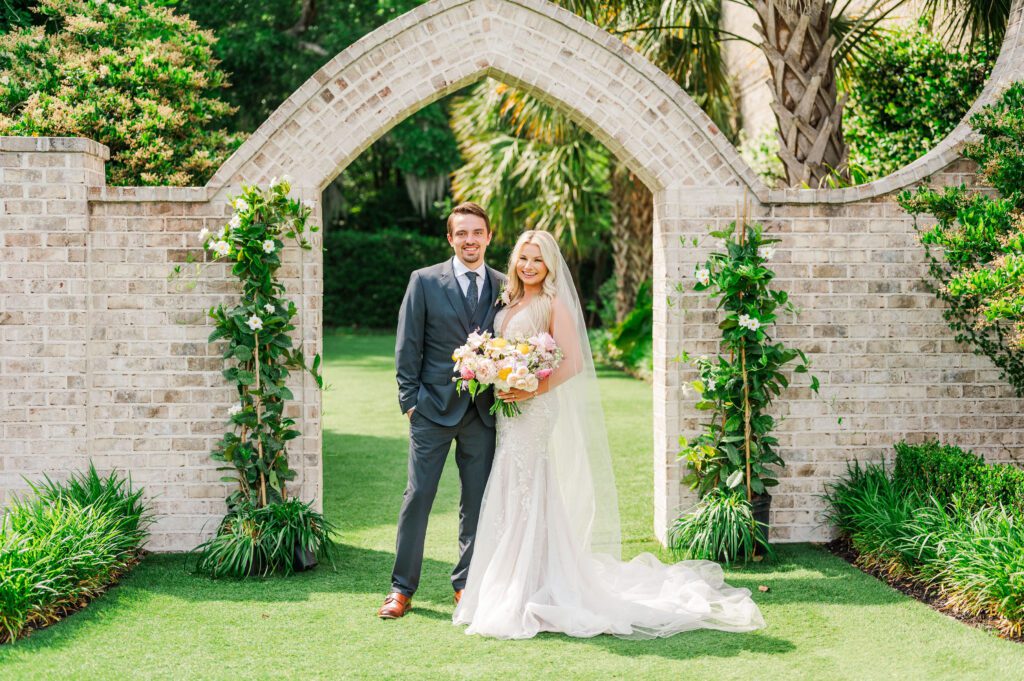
x=259, y=420
x=744, y=218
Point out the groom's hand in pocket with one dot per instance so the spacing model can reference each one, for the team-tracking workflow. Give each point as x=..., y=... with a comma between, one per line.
x=408, y=414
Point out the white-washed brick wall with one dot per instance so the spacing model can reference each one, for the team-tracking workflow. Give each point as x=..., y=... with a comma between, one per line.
x=103, y=358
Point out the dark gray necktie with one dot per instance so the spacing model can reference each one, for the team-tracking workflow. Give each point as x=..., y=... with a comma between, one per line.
x=472, y=294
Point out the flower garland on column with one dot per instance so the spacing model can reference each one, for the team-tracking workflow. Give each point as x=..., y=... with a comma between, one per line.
x=265, y=529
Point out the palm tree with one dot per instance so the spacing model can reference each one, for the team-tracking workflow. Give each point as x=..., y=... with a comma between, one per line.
x=798, y=43
x=530, y=166
x=806, y=41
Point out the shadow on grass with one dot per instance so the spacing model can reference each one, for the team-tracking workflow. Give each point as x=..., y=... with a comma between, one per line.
x=356, y=571
x=364, y=478
x=688, y=645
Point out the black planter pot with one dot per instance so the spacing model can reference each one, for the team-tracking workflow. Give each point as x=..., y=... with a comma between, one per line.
x=761, y=505
x=303, y=559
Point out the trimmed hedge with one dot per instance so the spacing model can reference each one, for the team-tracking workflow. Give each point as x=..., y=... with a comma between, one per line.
x=365, y=273
x=952, y=475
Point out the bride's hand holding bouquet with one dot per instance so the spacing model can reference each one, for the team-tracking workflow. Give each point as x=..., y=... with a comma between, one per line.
x=514, y=367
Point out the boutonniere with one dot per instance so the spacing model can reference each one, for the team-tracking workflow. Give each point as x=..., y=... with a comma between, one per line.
x=502, y=298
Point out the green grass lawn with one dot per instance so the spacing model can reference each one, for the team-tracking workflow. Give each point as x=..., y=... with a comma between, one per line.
x=825, y=619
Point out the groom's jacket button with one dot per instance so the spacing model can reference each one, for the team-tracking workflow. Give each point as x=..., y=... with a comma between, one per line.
x=437, y=377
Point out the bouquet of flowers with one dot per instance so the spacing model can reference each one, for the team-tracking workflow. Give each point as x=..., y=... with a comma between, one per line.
x=522, y=363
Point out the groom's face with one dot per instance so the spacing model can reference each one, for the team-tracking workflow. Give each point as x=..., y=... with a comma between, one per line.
x=469, y=238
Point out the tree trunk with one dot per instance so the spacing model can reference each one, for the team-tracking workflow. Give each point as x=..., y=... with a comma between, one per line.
x=796, y=41
x=632, y=237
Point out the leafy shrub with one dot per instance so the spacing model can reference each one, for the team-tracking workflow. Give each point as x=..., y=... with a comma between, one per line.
x=64, y=544
x=720, y=528
x=628, y=345
x=975, y=250
x=365, y=273
x=761, y=152
x=908, y=94
x=255, y=541
x=949, y=474
x=133, y=75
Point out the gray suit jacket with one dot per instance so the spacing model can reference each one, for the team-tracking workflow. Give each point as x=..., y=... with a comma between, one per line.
x=432, y=322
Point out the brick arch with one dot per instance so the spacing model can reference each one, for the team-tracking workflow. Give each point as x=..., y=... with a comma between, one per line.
x=632, y=107
x=626, y=102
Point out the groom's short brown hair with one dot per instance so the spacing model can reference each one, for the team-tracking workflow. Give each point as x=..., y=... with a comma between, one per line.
x=469, y=208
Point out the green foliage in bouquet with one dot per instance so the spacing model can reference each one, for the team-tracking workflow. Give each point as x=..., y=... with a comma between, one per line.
x=975, y=250
x=736, y=447
x=132, y=75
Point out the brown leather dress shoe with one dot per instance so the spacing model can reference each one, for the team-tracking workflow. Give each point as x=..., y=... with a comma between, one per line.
x=458, y=596
x=395, y=606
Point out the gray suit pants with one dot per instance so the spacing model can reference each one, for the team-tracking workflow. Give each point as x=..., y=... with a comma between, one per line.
x=429, y=444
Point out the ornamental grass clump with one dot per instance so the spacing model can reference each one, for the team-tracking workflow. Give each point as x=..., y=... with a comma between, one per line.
x=63, y=545
x=257, y=542
x=257, y=343
x=720, y=528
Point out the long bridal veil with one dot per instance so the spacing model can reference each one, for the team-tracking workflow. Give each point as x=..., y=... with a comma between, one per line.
x=582, y=462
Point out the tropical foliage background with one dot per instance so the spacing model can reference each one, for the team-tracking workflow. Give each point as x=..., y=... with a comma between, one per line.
x=896, y=77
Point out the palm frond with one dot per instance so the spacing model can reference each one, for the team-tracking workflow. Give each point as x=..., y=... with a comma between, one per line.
x=972, y=21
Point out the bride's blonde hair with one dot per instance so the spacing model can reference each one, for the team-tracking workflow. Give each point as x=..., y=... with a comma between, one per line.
x=548, y=253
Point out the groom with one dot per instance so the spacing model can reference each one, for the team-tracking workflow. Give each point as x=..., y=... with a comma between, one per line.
x=443, y=305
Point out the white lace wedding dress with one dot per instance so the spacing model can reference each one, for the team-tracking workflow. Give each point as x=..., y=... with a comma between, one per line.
x=534, y=570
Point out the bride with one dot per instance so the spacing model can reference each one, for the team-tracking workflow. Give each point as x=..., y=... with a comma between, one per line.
x=547, y=555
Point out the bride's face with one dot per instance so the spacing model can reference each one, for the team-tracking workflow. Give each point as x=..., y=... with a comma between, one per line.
x=530, y=266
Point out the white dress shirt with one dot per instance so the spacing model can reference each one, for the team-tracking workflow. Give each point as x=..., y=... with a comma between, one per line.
x=460, y=276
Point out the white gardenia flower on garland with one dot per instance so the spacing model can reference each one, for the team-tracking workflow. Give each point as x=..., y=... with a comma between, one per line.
x=703, y=275
x=221, y=248
x=269, y=308
x=204, y=234
x=236, y=409
x=255, y=323
x=240, y=205
x=748, y=322
x=268, y=246
x=235, y=222
x=765, y=252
